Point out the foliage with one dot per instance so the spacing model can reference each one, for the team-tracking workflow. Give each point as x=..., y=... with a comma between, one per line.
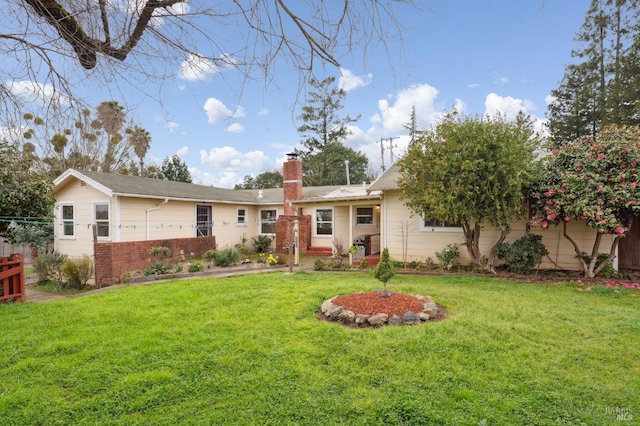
x=470, y=171
x=318, y=265
x=25, y=195
x=242, y=247
x=603, y=85
x=160, y=252
x=595, y=182
x=209, y=256
x=175, y=169
x=385, y=270
x=448, y=257
x=226, y=257
x=523, y=255
x=323, y=132
x=196, y=266
x=78, y=271
x=261, y=243
x=38, y=235
x=157, y=268
x=86, y=141
x=49, y=266
x=607, y=270
x=272, y=260
x=264, y=180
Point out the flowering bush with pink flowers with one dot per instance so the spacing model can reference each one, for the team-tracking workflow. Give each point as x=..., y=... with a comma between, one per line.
x=595, y=182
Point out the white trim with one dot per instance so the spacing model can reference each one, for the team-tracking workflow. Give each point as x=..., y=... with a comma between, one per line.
x=95, y=219
x=246, y=218
x=373, y=217
x=315, y=222
x=210, y=213
x=261, y=222
x=432, y=228
x=62, y=235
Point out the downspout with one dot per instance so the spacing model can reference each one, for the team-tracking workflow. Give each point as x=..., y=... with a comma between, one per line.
x=152, y=209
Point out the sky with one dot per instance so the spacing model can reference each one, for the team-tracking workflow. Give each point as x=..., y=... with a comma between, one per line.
x=480, y=57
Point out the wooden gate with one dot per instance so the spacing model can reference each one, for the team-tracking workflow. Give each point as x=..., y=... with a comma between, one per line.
x=12, y=278
x=629, y=248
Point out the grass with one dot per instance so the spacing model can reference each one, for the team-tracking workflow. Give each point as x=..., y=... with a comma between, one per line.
x=250, y=350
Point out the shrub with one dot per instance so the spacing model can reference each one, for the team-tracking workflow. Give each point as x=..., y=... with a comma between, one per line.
x=607, y=271
x=448, y=258
x=160, y=252
x=196, y=266
x=209, y=257
x=318, y=265
x=226, y=257
x=158, y=268
x=523, y=255
x=385, y=270
x=261, y=243
x=49, y=266
x=78, y=271
x=243, y=246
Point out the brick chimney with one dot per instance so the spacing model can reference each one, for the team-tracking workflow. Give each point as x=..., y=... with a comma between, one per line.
x=292, y=177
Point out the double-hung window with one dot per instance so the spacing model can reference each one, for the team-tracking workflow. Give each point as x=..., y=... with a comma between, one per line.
x=241, y=217
x=268, y=221
x=324, y=222
x=101, y=219
x=68, y=221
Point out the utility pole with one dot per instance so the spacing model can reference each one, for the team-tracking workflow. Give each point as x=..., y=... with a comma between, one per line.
x=390, y=148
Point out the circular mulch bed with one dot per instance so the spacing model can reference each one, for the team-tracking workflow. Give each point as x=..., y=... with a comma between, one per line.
x=373, y=310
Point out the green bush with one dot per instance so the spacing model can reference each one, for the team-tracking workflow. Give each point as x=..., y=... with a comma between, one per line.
x=448, y=258
x=78, y=271
x=49, y=266
x=261, y=243
x=318, y=265
x=196, y=266
x=209, y=257
x=385, y=270
x=226, y=257
x=160, y=252
x=243, y=246
x=607, y=271
x=158, y=268
x=524, y=255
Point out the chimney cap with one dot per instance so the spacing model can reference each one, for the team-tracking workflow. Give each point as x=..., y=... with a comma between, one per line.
x=292, y=156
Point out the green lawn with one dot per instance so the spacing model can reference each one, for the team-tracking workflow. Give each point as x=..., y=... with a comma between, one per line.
x=250, y=350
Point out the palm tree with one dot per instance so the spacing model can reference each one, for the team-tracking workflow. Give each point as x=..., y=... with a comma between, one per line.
x=140, y=139
x=112, y=118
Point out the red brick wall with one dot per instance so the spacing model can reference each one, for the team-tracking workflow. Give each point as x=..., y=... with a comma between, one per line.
x=283, y=232
x=115, y=259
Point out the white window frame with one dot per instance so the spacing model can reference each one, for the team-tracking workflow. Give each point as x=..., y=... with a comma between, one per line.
x=244, y=221
x=437, y=226
x=71, y=221
x=316, y=222
x=269, y=221
x=373, y=216
x=97, y=221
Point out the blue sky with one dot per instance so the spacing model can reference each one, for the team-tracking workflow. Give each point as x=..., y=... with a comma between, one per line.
x=478, y=56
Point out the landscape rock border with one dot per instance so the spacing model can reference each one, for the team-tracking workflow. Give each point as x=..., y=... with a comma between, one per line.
x=431, y=311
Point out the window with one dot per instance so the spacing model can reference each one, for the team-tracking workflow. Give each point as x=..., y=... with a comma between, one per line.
x=204, y=221
x=268, y=221
x=436, y=225
x=241, y=217
x=324, y=221
x=68, y=223
x=364, y=215
x=101, y=219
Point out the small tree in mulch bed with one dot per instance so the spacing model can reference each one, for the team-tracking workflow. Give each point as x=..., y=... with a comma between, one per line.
x=385, y=271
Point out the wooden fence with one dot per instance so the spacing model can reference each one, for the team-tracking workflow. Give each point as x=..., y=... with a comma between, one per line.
x=7, y=249
x=12, y=278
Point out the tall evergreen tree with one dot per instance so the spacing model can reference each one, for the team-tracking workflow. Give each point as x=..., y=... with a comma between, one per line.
x=175, y=169
x=602, y=87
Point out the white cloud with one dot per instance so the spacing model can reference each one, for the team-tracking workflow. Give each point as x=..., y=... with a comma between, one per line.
x=549, y=99
x=216, y=111
x=230, y=159
x=263, y=112
x=36, y=93
x=392, y=116
x=348, y=81
x=473, y=85
x=197, y=67
x=235, y=128
x=181, y=152
x=508, y=106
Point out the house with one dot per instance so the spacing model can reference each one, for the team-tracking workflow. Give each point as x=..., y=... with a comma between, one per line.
x=120, y=217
